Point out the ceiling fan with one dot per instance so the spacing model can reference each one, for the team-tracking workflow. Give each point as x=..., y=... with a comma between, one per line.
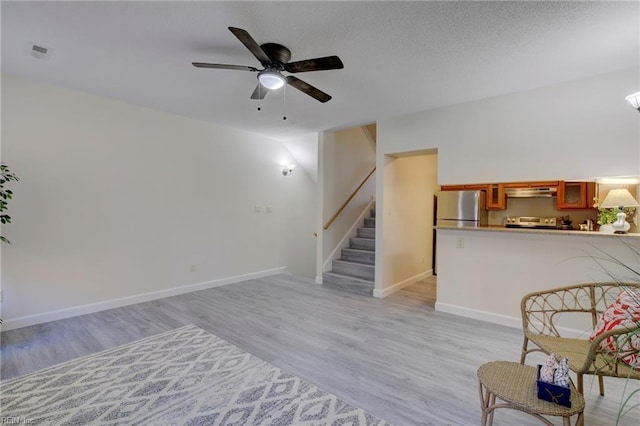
x=275, y=59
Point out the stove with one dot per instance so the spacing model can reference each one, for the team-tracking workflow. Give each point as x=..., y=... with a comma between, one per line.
x=531, y=222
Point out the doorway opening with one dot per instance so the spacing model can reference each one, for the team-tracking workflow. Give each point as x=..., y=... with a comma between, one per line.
x=410, y=183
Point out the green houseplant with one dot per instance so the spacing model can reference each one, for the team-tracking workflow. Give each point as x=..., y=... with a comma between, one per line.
x=6, y=176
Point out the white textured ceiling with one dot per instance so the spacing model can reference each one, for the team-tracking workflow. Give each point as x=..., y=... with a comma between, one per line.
x=399, y=57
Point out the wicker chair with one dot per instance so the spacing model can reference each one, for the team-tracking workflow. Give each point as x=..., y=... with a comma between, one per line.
x=541, y=311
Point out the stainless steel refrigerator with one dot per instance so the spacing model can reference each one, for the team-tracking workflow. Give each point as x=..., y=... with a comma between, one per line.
x=461, y=208
x=458, y=209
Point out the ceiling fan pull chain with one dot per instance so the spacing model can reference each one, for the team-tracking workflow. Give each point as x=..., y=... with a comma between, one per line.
x=284, y=101
x=260, y=97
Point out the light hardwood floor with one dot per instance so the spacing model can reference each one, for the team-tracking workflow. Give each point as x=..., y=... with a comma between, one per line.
x=423, y=292
x=395, y=357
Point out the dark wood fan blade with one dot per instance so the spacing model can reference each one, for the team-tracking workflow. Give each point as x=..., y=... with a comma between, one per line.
x=260, y=92
x=308, y=89
x=317, y=64
x=224, y=66
x=251, y=44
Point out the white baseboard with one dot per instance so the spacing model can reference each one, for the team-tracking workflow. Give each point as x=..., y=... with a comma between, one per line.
x=402, y=284
x=506, y=320
x=513, y=322
x=319, y=279
x=27, y=320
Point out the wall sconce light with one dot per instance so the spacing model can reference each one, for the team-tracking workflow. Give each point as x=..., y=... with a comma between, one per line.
x=288, y=169
x=634, y=99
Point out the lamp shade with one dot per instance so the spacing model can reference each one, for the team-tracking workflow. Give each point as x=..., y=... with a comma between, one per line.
x=634, y=99
x=619, y=198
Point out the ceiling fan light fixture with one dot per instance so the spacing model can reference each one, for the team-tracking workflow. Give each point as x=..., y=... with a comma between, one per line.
x=271, y=79
x=634, y=100
x=274, y=58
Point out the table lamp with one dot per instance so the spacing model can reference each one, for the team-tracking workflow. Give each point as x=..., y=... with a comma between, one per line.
x=620, y=198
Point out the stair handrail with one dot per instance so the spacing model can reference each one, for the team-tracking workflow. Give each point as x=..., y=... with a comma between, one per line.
x=344, y=205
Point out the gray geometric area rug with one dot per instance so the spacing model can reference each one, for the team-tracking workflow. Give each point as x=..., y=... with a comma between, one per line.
x=186, y=376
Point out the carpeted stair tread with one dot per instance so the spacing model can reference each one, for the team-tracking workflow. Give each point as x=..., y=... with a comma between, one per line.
x=359, y=255
x=366, y=233
x=362, y=243
x=354, y=269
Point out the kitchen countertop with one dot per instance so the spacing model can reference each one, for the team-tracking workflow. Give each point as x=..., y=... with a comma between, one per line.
x=498, y=228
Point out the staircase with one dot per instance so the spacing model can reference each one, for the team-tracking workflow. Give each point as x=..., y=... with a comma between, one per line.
x=355, y=270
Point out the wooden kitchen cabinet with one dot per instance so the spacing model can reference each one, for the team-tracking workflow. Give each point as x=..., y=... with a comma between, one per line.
x=472, y=187
x=496, y=198
x=570, y=195
x=544, y=184
x=452, y=188
x=591, y=194
x=541, y=184
x=575, y=195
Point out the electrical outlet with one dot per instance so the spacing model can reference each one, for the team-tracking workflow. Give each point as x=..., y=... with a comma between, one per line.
x=258, y=209
x=460, y=242
x=192, y=268
x=269, y=209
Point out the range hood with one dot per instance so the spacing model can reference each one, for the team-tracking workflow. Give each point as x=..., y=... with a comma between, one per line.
x=531, y=192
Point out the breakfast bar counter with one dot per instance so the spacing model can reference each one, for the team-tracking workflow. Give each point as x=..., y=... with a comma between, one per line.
x=570, y=232
x=483, y=272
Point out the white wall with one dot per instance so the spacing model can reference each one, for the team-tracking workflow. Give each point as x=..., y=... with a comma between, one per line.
x=116, y=200
x=575, y=130
x=347, y=158
x=304, y=150
x=487, y=277
x=410, y=184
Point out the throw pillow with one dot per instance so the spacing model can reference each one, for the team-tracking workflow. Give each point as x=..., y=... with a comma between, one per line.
x=624, y=312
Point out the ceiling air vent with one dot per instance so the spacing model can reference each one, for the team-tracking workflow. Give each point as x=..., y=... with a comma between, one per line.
x=38, y=51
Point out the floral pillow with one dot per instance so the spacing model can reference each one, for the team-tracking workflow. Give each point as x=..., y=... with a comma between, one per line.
x=624, y=312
